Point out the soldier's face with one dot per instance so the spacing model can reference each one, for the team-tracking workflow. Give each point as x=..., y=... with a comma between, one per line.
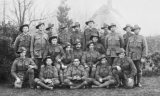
x=103, y=61
x=95, y=39
x=66, y=29
x=51, y=29
x=78, y=46
x=121, y=55
x=23, y=54
x=90, y=24
x=128, y=29
x=54, y=41
x=68, y=48
x=136, y=31
x=49, y=61
x=76, y=62
x=106, y=29
x=41, y=27
x=77, y=28
x=113, y=28
x=25, y=29
x=91, y=46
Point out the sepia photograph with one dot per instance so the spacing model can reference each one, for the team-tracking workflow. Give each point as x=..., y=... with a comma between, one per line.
x=79, y=48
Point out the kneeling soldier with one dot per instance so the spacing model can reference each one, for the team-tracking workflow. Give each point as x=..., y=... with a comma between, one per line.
x=104, y=76
x=76, y=76
x=22, y=69
x=48, y=75
x=124, y=69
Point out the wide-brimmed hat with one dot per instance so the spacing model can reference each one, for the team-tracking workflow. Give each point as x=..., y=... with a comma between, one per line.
x=128, y=25
x=50, y=26
x=121, y=50
x=66, y=45
x=64, y=25
x=21, y=28
x=89, y=21
x=77, y=41
x=39, y=24
x=136, y=27
x=21, y=49
x=104, y=26
x=112, y=24
x=44, y=60
x=53, y=37
x=76, y=24
x=88, y=43
x=101, y=57
x=94, y=35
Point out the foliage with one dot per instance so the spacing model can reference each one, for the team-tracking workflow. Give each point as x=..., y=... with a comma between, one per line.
x=62, y=14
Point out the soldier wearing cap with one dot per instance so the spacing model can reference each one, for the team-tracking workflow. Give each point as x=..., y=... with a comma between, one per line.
x=137, y=50
x=23, y=40
x=128, y=34
x=77, y=34
x=104, y=76
x=39, y=42
x=97, y=46
x=124, y=69
x=64, y=36
x=50, y=30
x=89, y=59
x=48, y=77
x=113, y=42
x=88, y=32
x=22, y=69
x=77, y=50
x=105, y=33
x=76, y=76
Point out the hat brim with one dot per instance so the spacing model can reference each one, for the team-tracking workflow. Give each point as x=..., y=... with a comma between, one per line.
x=49, y=27
x=89, y=44
x=76, y=26
x=126, y=27
x=136, y=28
x=104, y=27
x=53, y=37
x=109, y=27
x=21, y=28
x=93, y=36
x=89, y=22
x=37, y=27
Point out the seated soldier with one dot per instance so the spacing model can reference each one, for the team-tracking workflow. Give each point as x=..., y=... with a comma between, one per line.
x=104, y=76
x=22, y=69
x=48, y=77
x=124, y=69
x=76, y=76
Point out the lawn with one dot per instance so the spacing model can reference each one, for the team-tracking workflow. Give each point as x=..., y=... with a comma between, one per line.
x=151, y=87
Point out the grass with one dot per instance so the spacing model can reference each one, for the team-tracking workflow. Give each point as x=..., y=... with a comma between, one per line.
x=151, y=87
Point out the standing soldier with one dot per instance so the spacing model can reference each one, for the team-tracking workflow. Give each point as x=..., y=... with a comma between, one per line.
x=50, y=30
x=137, y=50
x=77, y=34
x=88, y=32
x=128, y=34
x=106, y=31
x=113, y=42
x=22, y=69
x=39, y=42
x=64, y=36
x=23, y=40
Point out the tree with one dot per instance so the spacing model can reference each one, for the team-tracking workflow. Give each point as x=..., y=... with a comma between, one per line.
x=62, y=14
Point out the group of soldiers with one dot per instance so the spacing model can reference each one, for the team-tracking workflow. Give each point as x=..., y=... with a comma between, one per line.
x=79, y=59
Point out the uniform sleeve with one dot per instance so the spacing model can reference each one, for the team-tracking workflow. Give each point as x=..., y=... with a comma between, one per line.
x=16, y=43
x=32, y=45
x=106, y=42
x=102, y=49
x=41, y=75
x=84, y=58
x=115, y=62
x=133, y=68
x=46, y=52
x=97, y=72
x=127, y=48
x=144, y=47
x=84, y=73
x=55, y=73
x=62, y=52
x=33, y=63
x=121, y=41
x=13, y=69
x=68, y=73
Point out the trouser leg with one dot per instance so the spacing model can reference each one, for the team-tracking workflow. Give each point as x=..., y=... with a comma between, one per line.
x=107, y=83
x=138, y=76
x=40, y=83
x=38, y=62
x=31, y=77
x=110, y=60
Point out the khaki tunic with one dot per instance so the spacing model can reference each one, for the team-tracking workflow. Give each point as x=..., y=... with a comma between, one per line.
x=137, y=47
x=126, y=38
x=76, y=35
x=63, y=38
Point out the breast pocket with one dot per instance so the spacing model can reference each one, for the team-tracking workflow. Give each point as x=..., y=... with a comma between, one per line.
x=139, y=43
x=37, y=40
x=131, y=43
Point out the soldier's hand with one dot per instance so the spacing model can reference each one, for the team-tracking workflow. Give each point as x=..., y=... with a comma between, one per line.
x=18, y=80
x=118, y=68
x=100, y=80
x=74, y=78
x=79, y=78
x=32, y=58
x=30, y=66
x=59, y=60
x=143, y=60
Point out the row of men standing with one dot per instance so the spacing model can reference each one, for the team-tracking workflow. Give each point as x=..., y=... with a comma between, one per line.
x=109, y=43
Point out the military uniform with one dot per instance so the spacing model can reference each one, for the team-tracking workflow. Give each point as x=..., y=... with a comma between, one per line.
x=99, y=47
x=39, y=42
x=87, y=34
x=78, y=53
x=113, y=42
x=76, y=35
x=48, y=72
x=64, y=37
x=74, y=71
x=136, y=49
x=128, y=69
x=23, y=41
x=126, y=37
x=20, y=68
